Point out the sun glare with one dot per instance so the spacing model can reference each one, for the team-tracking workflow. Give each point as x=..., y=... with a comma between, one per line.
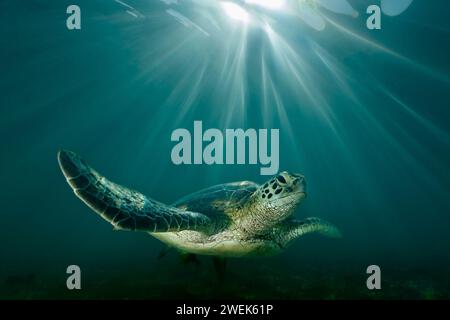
x=270, y=4
x=235, y=11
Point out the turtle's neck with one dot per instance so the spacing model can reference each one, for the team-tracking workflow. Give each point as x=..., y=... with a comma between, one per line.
x=259, y=217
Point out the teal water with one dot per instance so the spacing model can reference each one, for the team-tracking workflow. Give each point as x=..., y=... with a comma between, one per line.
x=363, y=114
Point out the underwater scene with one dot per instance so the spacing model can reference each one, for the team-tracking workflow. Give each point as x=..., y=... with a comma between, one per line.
x=225, y=149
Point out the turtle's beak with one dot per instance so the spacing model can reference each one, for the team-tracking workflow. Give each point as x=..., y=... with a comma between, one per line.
x=299, y=183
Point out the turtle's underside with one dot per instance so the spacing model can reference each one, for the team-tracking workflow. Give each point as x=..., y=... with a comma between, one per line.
x=229, y=220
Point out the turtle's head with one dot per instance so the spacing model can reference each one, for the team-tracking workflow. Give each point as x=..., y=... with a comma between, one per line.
x=283, y=189
x=279, y=196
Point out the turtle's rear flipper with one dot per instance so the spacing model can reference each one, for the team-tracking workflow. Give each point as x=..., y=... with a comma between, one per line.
x=189, y=259
x=164, y=252
x=220, y=266
x=122, y=207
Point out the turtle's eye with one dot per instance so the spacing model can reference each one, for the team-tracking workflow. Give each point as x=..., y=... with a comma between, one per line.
x=281, y=179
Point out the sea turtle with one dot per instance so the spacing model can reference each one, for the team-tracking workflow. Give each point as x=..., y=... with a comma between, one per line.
x=237, y=219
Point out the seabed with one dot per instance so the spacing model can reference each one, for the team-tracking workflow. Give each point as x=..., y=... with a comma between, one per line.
x=179, y=281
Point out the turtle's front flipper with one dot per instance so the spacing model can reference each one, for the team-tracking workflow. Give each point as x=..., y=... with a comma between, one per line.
x=294, y=229
x=124, y=208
